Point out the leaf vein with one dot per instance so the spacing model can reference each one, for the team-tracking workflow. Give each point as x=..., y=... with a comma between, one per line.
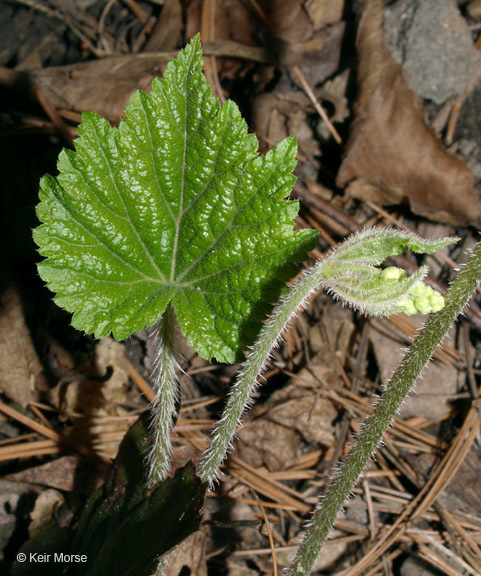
x=215, y=174
x=127, y=217
x=76, y=271
x=154, y=166
x=91, y=233
x=227, y=268
x=182, y=185
x=227, y=227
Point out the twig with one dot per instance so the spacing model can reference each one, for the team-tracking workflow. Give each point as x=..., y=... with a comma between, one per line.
x=320, y=110
x=142, y=384
x=29, y=423
x=137, y=10
x=207, y=29
x=269, y=532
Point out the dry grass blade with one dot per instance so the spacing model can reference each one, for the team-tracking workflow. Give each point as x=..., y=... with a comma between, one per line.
x=29, y=449
x=427, y=495
x=32, y=424
x=207, y=29
x=465, y=538
x=319, y=109
x=269, y=532
x=437, y=554
x=142, y=384
x=264, y=484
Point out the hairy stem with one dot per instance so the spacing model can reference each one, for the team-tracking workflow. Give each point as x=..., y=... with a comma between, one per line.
x=404, y=378
x=239, y=397
x=166, y=385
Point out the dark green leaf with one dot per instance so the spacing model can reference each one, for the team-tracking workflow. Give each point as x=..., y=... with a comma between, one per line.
x=176, y=205
x=122, y=529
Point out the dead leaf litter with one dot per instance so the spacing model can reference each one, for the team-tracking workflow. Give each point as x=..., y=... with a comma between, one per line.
x=403, y=148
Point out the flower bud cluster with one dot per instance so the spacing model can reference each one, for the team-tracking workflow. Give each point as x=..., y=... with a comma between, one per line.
x=421, y=298
x=352, y=273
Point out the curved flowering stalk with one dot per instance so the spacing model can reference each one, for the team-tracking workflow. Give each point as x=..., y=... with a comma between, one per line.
x=384, y=411
x=350, y=273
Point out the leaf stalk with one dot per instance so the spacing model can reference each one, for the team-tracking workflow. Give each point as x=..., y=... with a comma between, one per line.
x=167, y=394
x=350, y=273
x=247, y=379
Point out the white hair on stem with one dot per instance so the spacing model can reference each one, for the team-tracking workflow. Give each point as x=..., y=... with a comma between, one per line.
x=248, y=378
x=349, y=273
x=383, y=413
x=166, y=386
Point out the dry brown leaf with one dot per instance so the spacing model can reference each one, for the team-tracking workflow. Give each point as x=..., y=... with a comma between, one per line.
x=111, y=354
x=324, y=12
x=265, y=443
x=288, y=20
x=298, y=39
x=335, y=92
x=59, y=473
x=91, y=397
x=234, y=21
x=45, y=509
x=240, y=568
x=391, y=146
x=104, y=86
x=60, y=359
x=363, y=189
x=432, y=396
x=167, y=32
x=66, y=473
x=19, y=363
x=186, y=558
x=288, y=34
x=318, y=57
x=277, y=116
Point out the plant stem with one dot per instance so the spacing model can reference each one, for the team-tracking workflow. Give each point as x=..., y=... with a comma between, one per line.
x=404, y=378
x=239, y=398
x=166, y=386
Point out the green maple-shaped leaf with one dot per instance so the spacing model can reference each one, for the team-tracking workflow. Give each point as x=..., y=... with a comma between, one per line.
x=174, y=205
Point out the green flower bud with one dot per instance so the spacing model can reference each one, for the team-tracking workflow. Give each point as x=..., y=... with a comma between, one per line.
x=437, y=302
x=407, y=307
x=351, y=272
x=418, y=289
x=422, y=304
x=393, y=274
x=422, y=299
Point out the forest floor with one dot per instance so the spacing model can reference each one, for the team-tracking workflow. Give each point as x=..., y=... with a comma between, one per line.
x=401, y=147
